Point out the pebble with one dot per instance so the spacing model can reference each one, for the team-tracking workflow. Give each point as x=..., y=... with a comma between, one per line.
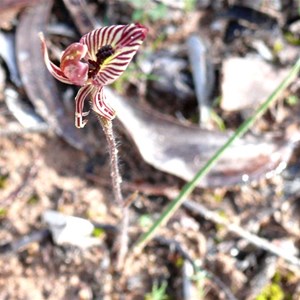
x=248, y=81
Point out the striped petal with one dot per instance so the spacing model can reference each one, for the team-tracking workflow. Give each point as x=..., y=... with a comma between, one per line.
x=84, y=92
x=124, y=40
x=100, y=105
x=52, y=68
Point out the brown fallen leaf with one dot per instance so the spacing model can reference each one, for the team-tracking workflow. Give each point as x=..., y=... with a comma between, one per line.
x=164, y=143
x=7, y=42
x=6, y=4
x=81, y=16
x=182, y=150
x=39, y=84
x=2, y=82
x=9, y=9
x=22, y=111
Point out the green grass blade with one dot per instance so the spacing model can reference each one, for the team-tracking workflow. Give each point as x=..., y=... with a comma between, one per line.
x=190, y=186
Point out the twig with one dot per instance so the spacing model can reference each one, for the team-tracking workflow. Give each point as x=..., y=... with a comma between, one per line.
x=222, y=285
x=29, y=174
x=18, y=130
x=264, y=275
x=133, y=187
x=177, y=247
x=122, y=240
x=41, y=235
x=81, y=16
x=236, y=229
x=214, y=217
x=24, y=241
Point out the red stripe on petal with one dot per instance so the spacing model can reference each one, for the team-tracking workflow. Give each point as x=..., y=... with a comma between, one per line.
x=101, y=106
x=113, y=73
x=55, y=71
x=127, y=41
x=108, y=36
x=79, y=104
x=121, y=42
x=120, y=58
x=109, y=75
x=129, y=52
x=106, y=77
x=123, y=34
x=93, y=43
x=116, y=36
x=114, y=69
x=119, y=64
x=99, y=81
x=102, y=42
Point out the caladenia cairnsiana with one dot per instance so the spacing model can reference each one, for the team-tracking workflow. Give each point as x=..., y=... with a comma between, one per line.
x=98, y=59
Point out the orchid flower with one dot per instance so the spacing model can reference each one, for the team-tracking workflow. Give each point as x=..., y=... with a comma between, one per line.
x=99, y=58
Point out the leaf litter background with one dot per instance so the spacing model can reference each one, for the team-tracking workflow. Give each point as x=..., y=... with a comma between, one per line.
x=243, y=50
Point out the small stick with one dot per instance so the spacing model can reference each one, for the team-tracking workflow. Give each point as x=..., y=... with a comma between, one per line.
x=18, y=130
x=25, y=241
x=29, y=174
x=177, y=247
x=122, y=239
x=236, y=229
x=266, y=271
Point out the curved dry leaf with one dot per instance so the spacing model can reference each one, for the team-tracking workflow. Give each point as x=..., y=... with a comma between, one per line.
x=39, y=84
x=9, y=9
x=22, y=111
x=182, y=150
x=81, y=17
x=7, y=54
x=250, y=17
x=7, y=4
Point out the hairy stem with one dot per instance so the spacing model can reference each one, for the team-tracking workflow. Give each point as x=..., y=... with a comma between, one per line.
x=113, y=153
x=121, y=244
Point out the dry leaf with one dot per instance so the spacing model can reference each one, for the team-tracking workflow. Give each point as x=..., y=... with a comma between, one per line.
x=182, y=150
x=39, y=84
x=81, y=17
x=9, y=9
